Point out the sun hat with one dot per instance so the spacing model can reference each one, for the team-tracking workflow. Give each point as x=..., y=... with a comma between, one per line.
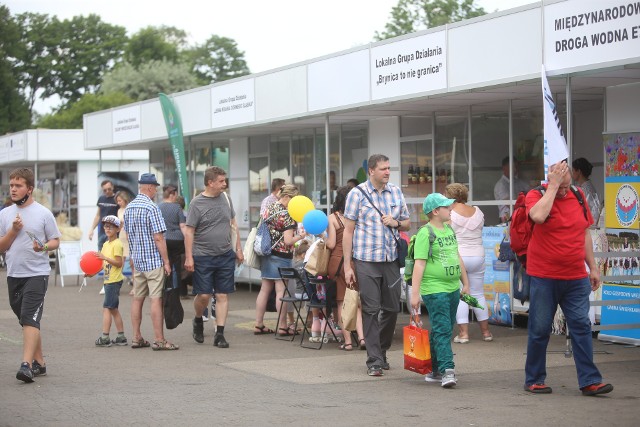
x=435, y=200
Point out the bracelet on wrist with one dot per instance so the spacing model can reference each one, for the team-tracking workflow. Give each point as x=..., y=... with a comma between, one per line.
x=45, y=248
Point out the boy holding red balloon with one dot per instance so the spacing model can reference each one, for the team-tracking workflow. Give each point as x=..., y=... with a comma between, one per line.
x=111, y=257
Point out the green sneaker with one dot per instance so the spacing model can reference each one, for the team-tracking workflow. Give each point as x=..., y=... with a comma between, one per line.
x=103, y=342
x=120, y=340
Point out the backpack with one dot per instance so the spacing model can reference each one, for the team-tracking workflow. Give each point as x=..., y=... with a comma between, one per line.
x=521, y=225
x=409, y=260
x=262, y=245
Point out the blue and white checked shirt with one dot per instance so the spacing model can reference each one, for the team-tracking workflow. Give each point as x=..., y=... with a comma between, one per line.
x=143, y=219
x=372, y=240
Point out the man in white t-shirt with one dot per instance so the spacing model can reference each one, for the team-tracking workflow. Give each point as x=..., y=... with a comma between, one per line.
x=28, y=231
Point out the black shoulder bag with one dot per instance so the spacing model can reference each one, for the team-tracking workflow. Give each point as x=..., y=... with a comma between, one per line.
x=401, y=244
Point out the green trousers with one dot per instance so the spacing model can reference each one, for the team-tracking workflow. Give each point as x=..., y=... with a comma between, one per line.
x=442, y=308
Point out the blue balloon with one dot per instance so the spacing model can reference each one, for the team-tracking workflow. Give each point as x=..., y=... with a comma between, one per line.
x=315, y=222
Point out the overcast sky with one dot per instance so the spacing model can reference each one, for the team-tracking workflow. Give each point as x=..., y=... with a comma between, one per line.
x=272, y=33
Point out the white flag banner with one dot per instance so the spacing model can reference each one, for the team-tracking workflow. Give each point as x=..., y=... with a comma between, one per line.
x=555, y=146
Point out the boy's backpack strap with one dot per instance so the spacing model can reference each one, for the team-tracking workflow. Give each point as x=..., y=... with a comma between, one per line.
x=432, y=239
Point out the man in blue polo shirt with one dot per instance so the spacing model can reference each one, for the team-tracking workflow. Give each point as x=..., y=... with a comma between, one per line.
x=372, y=236
x=145, y=227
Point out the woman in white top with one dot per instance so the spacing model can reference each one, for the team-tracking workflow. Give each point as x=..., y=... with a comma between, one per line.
x=467, y=222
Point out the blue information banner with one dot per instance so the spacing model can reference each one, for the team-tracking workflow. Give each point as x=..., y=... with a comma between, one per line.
x=620, y=314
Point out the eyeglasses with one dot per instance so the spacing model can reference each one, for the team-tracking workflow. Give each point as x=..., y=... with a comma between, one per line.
x=107, y=225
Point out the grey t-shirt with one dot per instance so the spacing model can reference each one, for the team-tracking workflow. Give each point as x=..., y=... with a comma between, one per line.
x=22, y=260
x=173, y=217
x=211, y=218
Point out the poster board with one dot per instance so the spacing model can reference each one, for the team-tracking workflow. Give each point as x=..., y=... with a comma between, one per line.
x=621, y=282
x=69, y=253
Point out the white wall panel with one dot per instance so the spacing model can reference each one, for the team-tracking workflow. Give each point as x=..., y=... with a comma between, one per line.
x=60, y=145
x=98, y=130
x=153, y=126
x=339, y=81
x=281, y=94
x=502, y=48
x=623, y=108
x=195, y=110
x=384, y=138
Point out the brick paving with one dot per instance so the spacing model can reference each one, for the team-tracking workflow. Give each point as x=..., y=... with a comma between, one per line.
x=261, y=381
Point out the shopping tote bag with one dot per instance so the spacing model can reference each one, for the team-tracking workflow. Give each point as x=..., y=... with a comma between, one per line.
x=417, y=352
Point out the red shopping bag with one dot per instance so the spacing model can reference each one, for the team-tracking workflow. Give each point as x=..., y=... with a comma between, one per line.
x=417, y=351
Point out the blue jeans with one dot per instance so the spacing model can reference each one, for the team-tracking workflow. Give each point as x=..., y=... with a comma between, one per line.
x=573, y=297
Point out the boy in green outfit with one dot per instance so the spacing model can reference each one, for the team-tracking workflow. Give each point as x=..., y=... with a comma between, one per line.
x=111, y=254
x=436, y=278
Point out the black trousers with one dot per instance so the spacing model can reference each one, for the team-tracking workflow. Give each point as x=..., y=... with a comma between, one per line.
x=175, y=249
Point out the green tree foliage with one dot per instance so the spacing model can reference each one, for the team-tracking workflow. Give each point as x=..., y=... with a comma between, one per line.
x=71, y=118
x=150, y=78
x=409, y=16
x=40, y=36
x=14, y=113
x=155, y=44
x=216, y=60
x=88, y=48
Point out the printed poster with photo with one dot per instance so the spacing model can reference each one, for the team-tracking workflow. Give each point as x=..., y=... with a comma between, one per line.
x=496, y=277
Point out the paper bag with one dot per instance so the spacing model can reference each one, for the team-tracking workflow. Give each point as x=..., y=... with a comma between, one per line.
x=350, y=309
x=319, y=260
x=417, y=351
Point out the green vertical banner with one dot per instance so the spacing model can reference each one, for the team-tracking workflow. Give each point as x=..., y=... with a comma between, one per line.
x=174, y=130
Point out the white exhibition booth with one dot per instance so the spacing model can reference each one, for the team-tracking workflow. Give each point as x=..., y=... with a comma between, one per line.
x=66, y=173
x=446, y=104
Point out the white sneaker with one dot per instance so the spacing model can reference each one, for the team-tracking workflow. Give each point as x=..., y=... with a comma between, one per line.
x=101, y=291
x=433, y=377
x=449, y=378
x=205, y=319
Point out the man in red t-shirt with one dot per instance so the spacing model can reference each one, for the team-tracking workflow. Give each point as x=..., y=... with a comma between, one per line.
x=556, y=256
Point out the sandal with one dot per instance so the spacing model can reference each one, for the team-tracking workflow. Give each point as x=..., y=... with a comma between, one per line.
x=262, y=330
x=140, y=343
x=346, y=347
x=163, y=345
x=287, y=332
x=292, y=329
x=361, y=344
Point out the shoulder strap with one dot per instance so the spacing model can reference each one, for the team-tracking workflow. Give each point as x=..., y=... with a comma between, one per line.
x=578, y=195
x=338, y=218
x=432, y=239
x=376, y=208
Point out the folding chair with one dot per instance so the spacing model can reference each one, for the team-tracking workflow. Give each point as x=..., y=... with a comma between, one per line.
x=326, y=308
x=288, y=273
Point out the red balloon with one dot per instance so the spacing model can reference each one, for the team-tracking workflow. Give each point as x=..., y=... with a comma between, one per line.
x=90, y=263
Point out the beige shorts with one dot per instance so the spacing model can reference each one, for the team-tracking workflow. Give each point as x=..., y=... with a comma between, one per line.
x=148, y=283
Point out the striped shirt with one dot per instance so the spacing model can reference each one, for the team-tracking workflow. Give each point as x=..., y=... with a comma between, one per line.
x=143, y=219
x=372, y=240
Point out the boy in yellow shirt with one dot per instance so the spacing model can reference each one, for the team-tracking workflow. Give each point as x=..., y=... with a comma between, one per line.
x=112, y=255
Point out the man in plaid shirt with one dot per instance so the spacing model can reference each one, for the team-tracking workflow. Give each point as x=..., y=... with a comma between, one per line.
x=372, y=237
x=145, y=227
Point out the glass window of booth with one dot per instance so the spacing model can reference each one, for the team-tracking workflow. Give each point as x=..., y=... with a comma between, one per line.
x=354, y=138
x=489, y=145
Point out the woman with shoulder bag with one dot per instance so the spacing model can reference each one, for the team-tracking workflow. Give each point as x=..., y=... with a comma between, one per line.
x=281, y=230
x=336, y=269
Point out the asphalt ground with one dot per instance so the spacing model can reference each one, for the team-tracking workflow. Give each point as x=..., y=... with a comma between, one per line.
x=261, y=381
